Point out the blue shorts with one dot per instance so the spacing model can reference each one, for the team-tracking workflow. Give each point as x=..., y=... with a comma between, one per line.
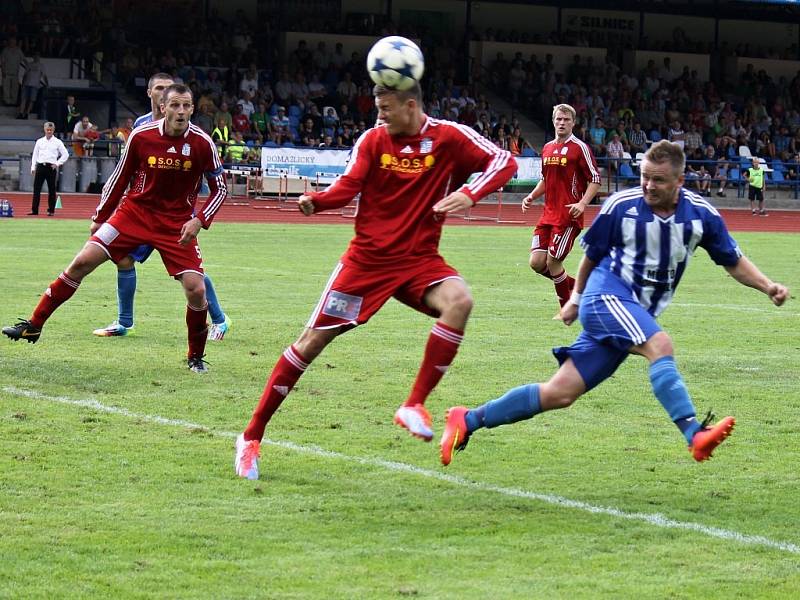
x=611, y=326
x=142, y=253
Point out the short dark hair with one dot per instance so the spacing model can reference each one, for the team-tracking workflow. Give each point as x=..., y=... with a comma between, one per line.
x=414, y=92
x=158, y=76
x=176, y=88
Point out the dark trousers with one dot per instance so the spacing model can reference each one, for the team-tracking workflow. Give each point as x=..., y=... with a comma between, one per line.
x=44, y=173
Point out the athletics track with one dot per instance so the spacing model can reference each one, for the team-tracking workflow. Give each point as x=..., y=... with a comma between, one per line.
x=242, y=210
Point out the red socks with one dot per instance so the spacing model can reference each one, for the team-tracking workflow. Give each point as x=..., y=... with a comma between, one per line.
x=440, y=351
x=563, y=284
x=198, y=330
x=54, y=296
x=290, y=366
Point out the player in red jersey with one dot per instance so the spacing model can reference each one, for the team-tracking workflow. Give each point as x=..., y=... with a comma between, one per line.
x=570, y=179
x=167, y=159
x=410, y=171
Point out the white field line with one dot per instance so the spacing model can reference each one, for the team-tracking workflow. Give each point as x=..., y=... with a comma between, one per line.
x=655, y=519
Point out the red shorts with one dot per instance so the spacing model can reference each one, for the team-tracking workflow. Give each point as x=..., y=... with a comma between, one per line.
x=556, y=240
x=353, y=293
x=126, y=230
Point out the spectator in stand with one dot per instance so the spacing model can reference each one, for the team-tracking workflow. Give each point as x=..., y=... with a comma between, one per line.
x=614, y=151
x=11, y=59
x=35, y=78
x=80, y=137
x=637, y=139
x=259, y=123
x=224, y=113
x=317, y=92
x=125, y=130
x=93, y=136
x=365, y=103
x=279, y=127
x=246, y=105
x=330, y=120
x=345, y=116
x=619, y=130
x=321, y=57
x=676, y=134
x=764, y=146
x=692, y=140
x=213, y=83
x=237, y=151
x=781, y=142
x=309, y=135
x=300, y=90
x=249, y=82
x=71, y=115
x=221, y=135
x=204, y=119
x=598, y=137
x=283, y=89
x=346, y=91
x=240, y=122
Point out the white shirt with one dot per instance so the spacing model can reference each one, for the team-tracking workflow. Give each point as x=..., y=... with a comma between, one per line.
x=52, y=152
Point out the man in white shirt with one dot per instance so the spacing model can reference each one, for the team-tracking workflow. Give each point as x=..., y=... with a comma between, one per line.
x=49, y=154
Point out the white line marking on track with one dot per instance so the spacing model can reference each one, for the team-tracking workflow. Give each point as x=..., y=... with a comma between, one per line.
x=655, y=519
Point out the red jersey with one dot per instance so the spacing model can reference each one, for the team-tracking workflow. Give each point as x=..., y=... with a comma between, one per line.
x=567, y=169
x=166, y=173
x=400, y=178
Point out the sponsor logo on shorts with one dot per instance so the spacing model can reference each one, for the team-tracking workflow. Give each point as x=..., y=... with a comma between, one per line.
x=342, y=306
x=106, y=234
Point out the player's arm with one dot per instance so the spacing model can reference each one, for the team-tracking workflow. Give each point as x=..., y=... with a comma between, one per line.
x=346, y=187
x=63, y=154
x=218, y=189
x=474, y=155
x=117, y=183
x=576, y=210
x=569, y=312
x=537, y=192
x=747, y=273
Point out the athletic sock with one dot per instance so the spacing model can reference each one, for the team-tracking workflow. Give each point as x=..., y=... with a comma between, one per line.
x=515, y=405
x=669, y=388
x=563, y=284
x=214, y=309
x=290, y=366
x=58, y=292
x=441, y=349
x=197, y=329
x=126, y=289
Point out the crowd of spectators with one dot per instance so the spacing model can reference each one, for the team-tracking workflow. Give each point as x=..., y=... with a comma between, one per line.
x=620, y=112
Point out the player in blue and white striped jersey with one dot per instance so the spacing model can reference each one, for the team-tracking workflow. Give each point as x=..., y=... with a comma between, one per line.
x=636, y=252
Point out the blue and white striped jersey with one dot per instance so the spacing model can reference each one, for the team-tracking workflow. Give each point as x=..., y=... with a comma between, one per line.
x=143, y=119
x=645, y=255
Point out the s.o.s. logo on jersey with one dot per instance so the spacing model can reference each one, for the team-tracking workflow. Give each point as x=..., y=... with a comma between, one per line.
x=407, y=165
x=160, y=162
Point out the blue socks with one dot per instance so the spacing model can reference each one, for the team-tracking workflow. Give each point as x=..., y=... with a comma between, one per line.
x=126, y=288
x=670, y=390
x=515, y=405
x=214, y=309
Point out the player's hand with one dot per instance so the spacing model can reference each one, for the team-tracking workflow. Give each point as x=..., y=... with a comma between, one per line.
x=778, y=293
x=576, y=210
x=451, y=202
x=527, y=202
x=94, y=227
x=306, y=205
x=190, y=230
x=569, y=313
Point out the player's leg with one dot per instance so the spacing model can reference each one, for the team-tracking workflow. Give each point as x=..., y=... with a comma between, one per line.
x=196, y=319
x=538, y=256
x=452, y=301
x=58, y=292
x=518, y=404
x=761, y=209
x=126, y=291
x=287, y=371
x=561, y=242
x=351, y=296
x=671, y=391
x=220, y=323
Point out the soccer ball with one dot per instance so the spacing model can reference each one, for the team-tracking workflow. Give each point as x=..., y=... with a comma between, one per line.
x=395, y=62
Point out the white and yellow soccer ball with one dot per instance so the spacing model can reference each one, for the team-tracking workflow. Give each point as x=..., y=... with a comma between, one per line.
x=395, y=62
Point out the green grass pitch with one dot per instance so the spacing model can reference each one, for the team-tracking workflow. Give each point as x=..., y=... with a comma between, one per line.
x=116, y=477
